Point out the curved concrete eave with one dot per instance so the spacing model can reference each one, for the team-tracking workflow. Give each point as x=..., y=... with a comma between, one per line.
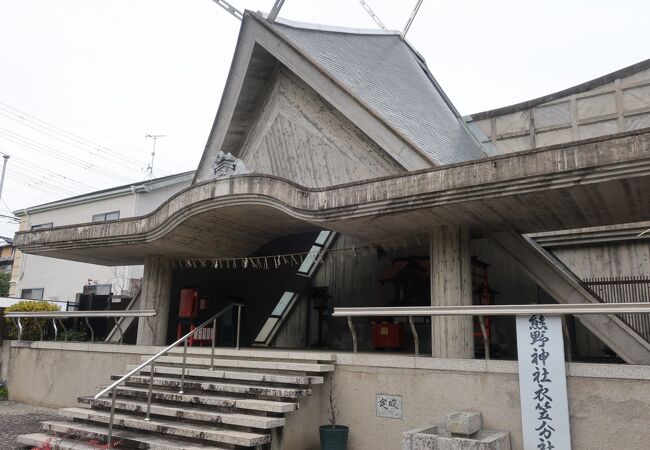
x=595, y=182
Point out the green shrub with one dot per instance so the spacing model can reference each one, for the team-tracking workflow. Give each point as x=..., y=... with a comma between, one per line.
x=4, y=392
x=76, y=333
x=31, y=327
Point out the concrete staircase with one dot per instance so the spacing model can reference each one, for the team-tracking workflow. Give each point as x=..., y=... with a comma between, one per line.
x=238, y=404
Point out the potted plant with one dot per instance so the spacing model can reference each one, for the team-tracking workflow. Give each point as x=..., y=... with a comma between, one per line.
x=333, y=436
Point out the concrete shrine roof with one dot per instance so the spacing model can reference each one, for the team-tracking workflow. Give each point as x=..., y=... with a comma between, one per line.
x=374, y=79
x=387, y=74
x=596, y=182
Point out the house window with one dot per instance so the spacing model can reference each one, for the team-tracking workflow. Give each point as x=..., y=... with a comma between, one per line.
x=103, y=217
x=32, y=294
x=42, y=226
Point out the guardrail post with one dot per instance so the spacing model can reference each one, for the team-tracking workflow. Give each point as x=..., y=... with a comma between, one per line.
x=354, y=334
x=567, y=340
x=238, y=324
x=92, y=332
x=214, y=335
x=110, y=419
x=486, y=340
x=56, y=330
x=65, y=330
x=183, y=368
x=416, y=340
x=151, y=374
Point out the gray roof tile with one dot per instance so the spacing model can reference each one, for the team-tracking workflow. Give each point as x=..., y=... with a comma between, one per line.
x=383, y=72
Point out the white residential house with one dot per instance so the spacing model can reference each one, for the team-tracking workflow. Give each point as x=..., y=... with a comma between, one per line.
x=40, y=277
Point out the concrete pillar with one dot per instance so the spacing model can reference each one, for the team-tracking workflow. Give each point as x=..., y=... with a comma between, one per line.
x=451, y=284
x=156, y=294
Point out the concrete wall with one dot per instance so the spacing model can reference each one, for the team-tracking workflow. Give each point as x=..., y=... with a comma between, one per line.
x=620, y=105
x=609, y=404
x=299, y=136
x=615, y=259
x=54, y=374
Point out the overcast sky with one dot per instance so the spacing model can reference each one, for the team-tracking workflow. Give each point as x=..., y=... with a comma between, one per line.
x=83, y=81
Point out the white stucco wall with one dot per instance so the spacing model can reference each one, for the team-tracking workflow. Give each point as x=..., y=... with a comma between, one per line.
x=62, y=279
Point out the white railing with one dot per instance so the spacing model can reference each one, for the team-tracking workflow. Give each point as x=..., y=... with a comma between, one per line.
x=60, y=315
x=484, y=310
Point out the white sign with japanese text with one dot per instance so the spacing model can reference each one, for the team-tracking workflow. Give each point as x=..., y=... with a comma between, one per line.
x=542, y=383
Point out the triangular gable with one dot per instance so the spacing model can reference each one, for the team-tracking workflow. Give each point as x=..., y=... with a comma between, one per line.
x=299, y=136
x=263, y=46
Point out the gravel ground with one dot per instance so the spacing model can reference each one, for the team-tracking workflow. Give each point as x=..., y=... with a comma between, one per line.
x=20, y=418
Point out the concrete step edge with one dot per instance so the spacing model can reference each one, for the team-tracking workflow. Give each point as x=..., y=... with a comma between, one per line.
x=248, y=363
x=197, y=414
x=144, y=441
x=261, y=354
x=214, y=400
x=233, y=375
x=173, y=428
x=265, y=391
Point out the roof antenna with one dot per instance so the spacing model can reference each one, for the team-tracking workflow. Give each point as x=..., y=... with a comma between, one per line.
x=231, y=9
x=155, y=137
x=372, y=14
x=275, y=10
x=410, y=21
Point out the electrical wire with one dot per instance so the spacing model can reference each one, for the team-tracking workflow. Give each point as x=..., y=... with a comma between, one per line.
x=95, y=153
x=49, y=151
x=77, y=124
x=24, y=116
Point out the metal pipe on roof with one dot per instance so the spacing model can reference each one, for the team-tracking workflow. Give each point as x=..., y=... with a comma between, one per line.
x=410, y=21
x=277, y=6
x=231, y=9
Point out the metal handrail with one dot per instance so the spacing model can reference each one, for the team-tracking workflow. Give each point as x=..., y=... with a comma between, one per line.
x=497, y=310
x=152, y=361
x=59, y=315
x=484, y=310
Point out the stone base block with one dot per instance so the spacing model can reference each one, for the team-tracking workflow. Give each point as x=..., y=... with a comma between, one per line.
x=464, y=422
x=430, y=438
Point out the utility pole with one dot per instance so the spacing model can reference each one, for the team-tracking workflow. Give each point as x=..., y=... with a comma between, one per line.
x=155, y=137
x=4, y=169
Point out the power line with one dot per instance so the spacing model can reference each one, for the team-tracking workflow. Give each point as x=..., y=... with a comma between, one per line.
x=77, y=124
x=66, y=140
x=47, y=150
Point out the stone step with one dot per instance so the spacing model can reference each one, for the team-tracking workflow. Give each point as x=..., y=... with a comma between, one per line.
x=233, y=388
x=132, y=439
x=211, y=400
x=264, y=354
x=197, y=414
x=171, y=427
x=231, y=375
x=36, y=440
x=247, y=363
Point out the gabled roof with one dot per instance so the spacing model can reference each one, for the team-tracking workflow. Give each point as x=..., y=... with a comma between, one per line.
x=374, y=78
x=385, y=73
x=125, y=189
